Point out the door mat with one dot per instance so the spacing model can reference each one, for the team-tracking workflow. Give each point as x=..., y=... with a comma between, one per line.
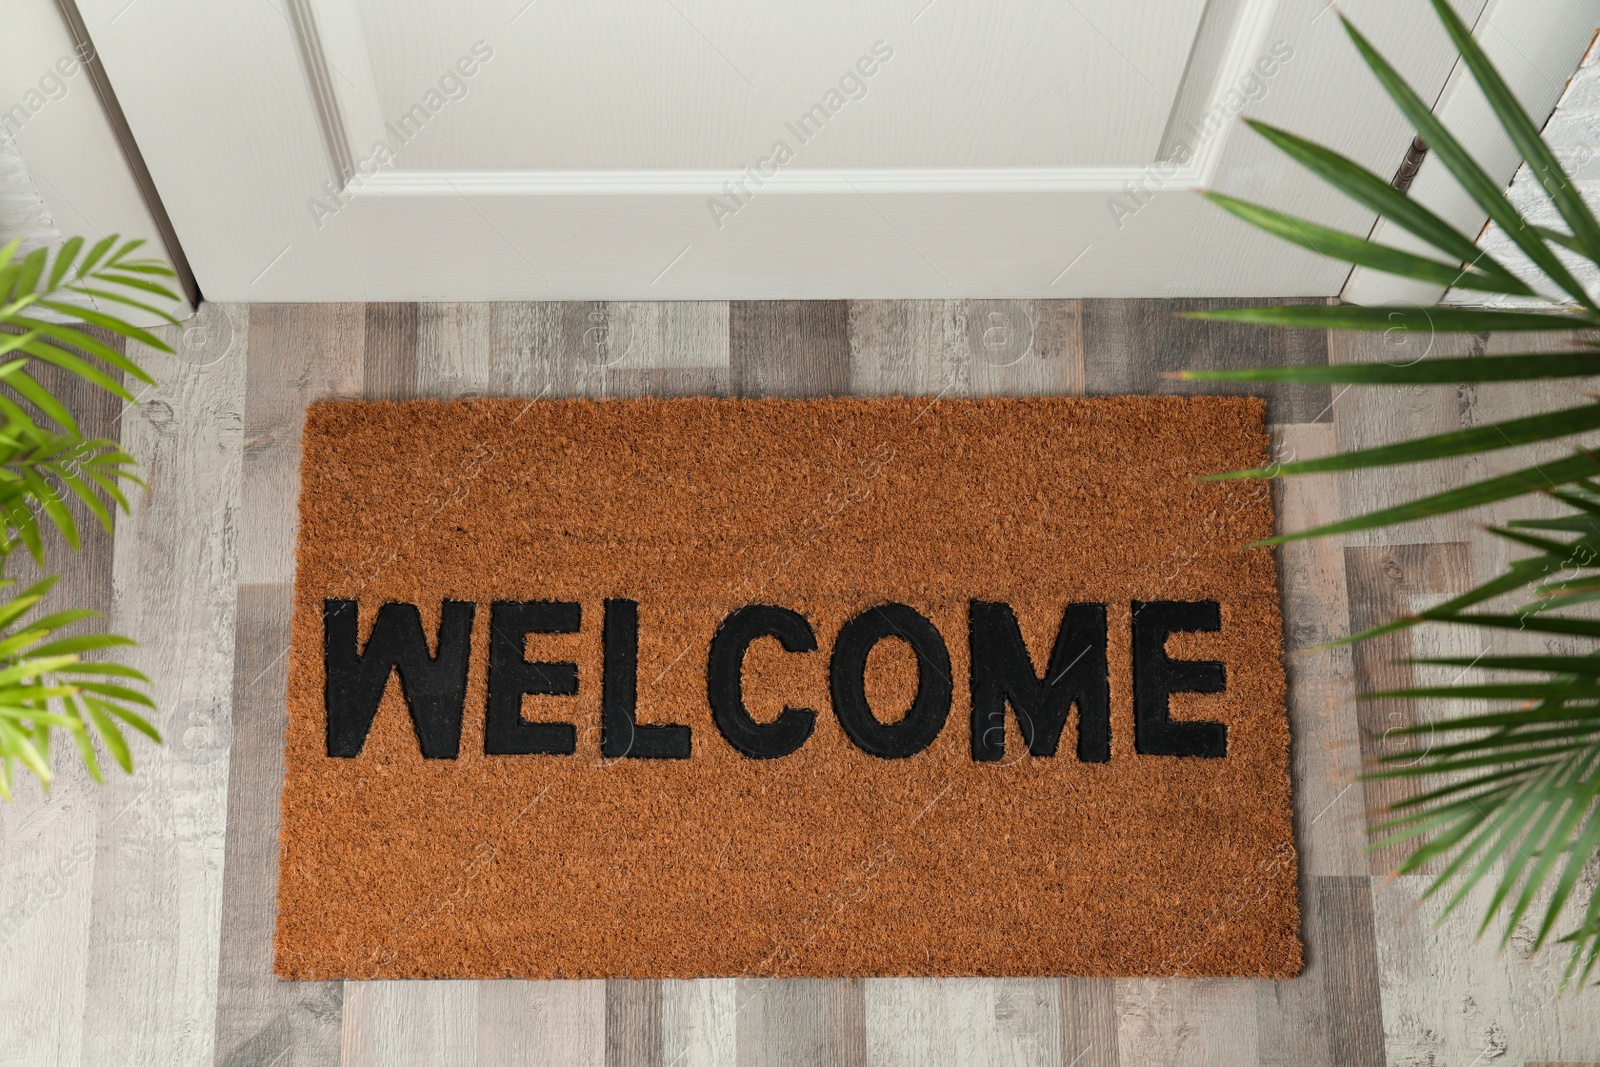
x=706, y=687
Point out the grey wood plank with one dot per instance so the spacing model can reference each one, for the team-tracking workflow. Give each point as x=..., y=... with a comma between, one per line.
x=304, y=353
x=933, y=1021
x=1089, y=1022
x=47, y=839
x=549, y=348
x=794, y=348
x=1325, y=746
x=1447, y=996
x=453, y=350
x=633, y=1023
x=965, y=348
x=1164, y=1021
x=609, y=348
x=789, y=347
x=1349, y=965
x=1381, y=582
x=1452, y=997
x=297, y=354
x=680, y=335
x=667, y=381
x=1297, y=1018
x=151, y=978
x=1129, y=344
x=801, y=1022
x=555, y=1024
x=1507, y=1006
x=389, y=351
x=1368, y=417
x=699, y=1022
x=394, y=1024
x=658, y=351
x=262, y=1022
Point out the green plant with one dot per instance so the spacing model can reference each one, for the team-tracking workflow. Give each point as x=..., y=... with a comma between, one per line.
x=46, y=684
x=1513, y=790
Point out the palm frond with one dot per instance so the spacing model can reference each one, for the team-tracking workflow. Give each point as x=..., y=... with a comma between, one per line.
x=1512, y=794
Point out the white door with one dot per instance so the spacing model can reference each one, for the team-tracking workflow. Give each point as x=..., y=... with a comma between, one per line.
x=674, y=149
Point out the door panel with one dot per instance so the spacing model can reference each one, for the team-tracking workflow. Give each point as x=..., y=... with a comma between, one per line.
x=668, y=149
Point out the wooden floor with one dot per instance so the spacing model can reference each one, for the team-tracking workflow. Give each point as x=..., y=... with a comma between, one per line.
x=137, y=917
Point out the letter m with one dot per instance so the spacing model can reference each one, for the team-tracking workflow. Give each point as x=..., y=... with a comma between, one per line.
x=1002, y=672
x=434, y=686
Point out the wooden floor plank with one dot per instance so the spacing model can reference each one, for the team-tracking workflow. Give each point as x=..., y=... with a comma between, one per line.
x=932, y=1022
x=686, y=334
x=801, y=1022
x=389, y=351
x=151, y=979
x=1330, y=823
x=678, y=349
x=1367, y=417
x=305, y=352
x=1089, y=1022
x=965, y=348
x=699, y=1022
x=297, y=354
x=1450, y=996
x=1162, y=1022
x=1129, y=344
x=633, y=1023
x=261, y=1020
x=956, y=348
x=789, y=347
x=794, y=348
x=554, y=1024
x=549, y=349
x=396, y=1024
x=1349, y=966
x=1381, y=584
x=47, y=839
x=1447, y=998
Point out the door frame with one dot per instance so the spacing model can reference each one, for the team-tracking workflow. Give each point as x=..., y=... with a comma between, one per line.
x=1527, y=39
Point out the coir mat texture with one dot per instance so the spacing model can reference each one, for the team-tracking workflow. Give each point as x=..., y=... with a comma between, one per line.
x=710, y=687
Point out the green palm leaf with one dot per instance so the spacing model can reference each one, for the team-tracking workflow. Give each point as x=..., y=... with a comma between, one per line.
x=46, y=684
x=1367, y=188
x=1541, y=161
x=1511, y=795
x=1508, y=434
x=1358, y=250
x=1488, y=491
x=1485, y=191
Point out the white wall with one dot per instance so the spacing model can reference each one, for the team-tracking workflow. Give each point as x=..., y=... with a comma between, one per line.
x=62, y=172
x=1574, y=133
x=23, y=212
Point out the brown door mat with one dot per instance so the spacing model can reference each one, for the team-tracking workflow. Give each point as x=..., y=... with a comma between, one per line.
x=706, y=687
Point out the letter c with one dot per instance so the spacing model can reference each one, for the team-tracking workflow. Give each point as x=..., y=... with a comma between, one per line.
x=724, y=688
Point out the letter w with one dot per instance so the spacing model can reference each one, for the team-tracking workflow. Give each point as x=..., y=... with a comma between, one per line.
x=435, y=687
x=1002, y=671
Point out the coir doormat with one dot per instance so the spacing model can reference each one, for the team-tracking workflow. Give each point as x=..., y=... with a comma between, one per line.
x=712, y=687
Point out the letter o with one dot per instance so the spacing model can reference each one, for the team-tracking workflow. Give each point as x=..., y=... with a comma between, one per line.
x=847, y=681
